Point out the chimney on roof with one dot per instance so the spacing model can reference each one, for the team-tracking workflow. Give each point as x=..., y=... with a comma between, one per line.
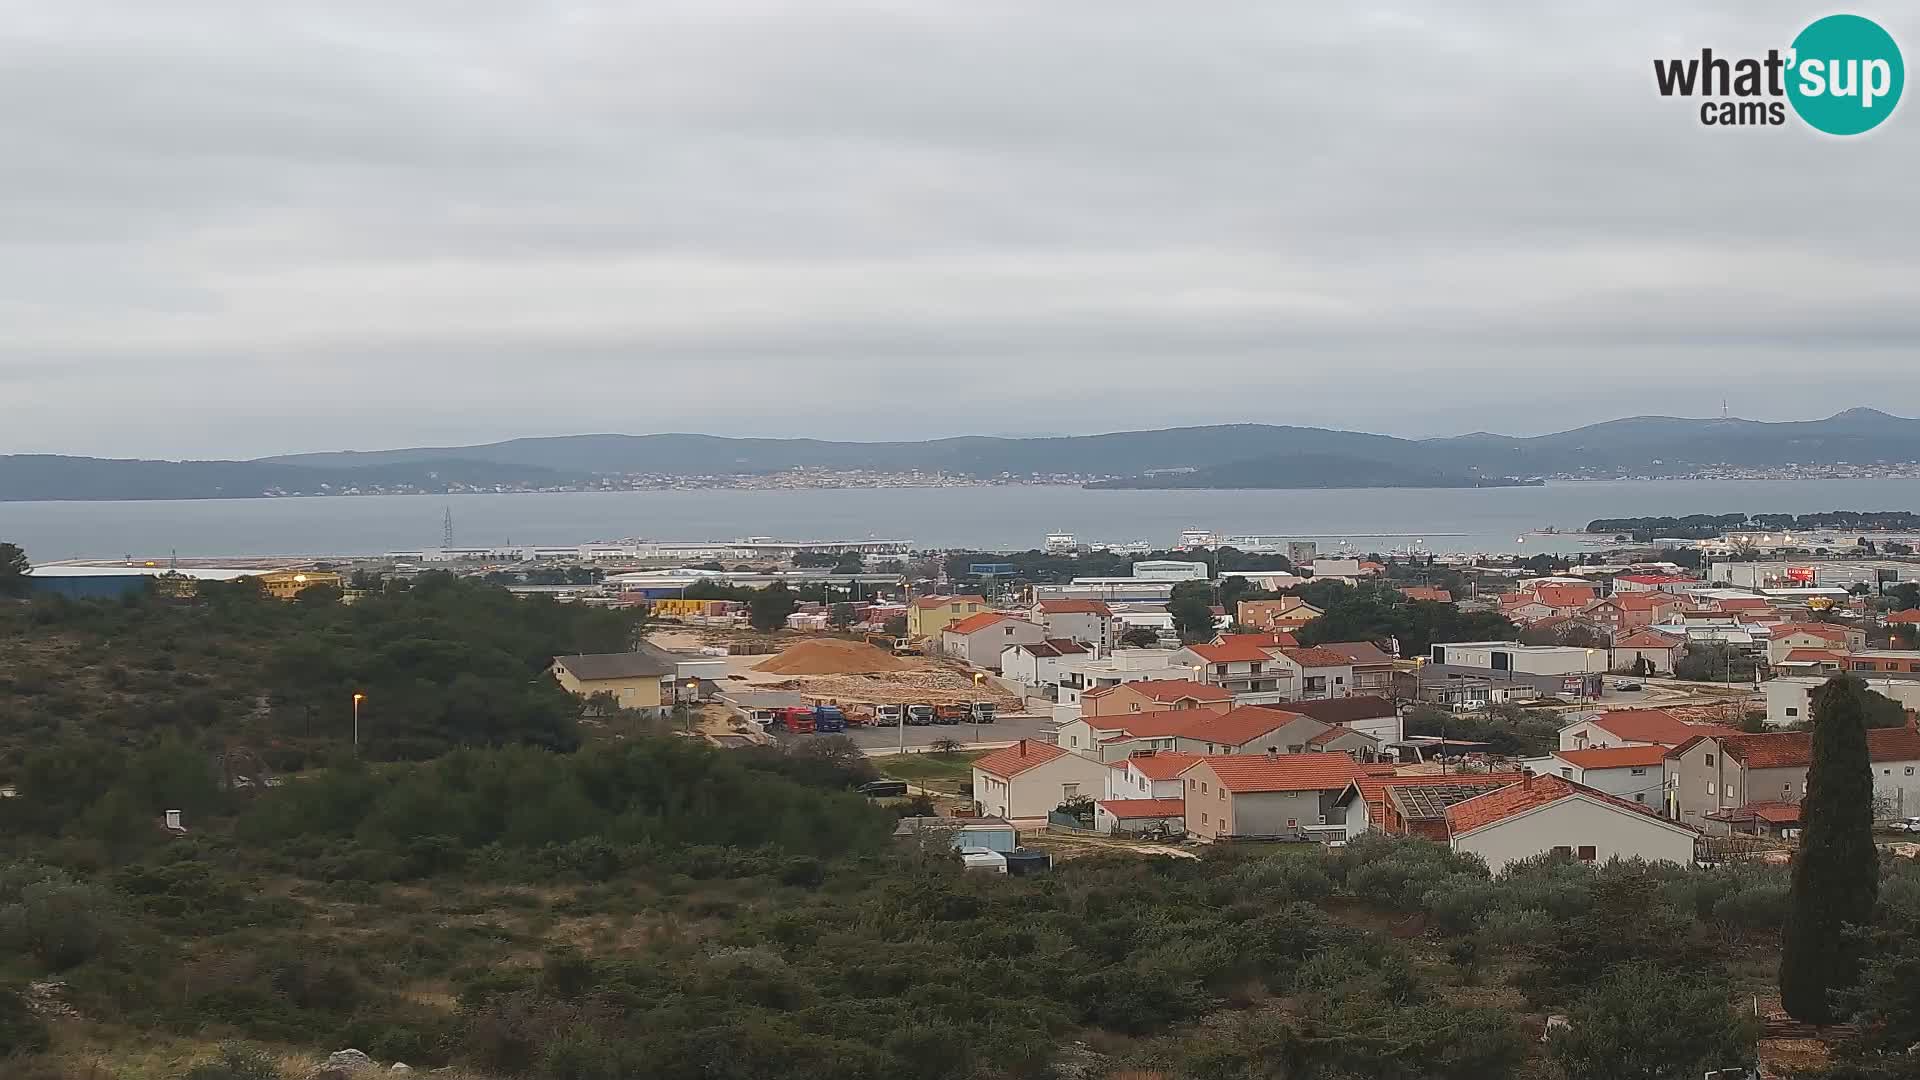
x=1023, y=748
x=1272, y=753
x=1526, y=779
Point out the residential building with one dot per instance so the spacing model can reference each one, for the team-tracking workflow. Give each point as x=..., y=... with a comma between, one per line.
x=1637, y=774
x=1884, y=661
x=1245, y=665
x=1655, y=650
x=1123, y=816
x=1148, y=774
x=1909, y=618
x=1153, y=695
x=1029, y=779
x=1372, y=668
x=1366, y=713
x=1037, y=664
x=1249, y=730
x=1790, y=697
x=1543, y=814
x=1633, y=727
x=1318, y=672
x=641, y=680
x=1336, y=568
x=1790, y=636
x=1646, y=583
x=1452, y=685
x=1089, y=672
x=1711, y=774
x=1355, y=744
x=1512, y=656
x=1426, y=593
x=1265, y=795
x=1089, y=622
x=1286, y=613
x=1413, y=805
x=978, y=640
x=927, y=616
x=1821, y=663
x=1623, y=613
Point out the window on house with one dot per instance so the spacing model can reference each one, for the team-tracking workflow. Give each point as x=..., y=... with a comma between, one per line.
x=1203, y=817
x=1709, y=759
x=1791, y=711
x=1640, y=796
x=1636, y=772
x=1709, y=787
x=1073, y=740
x=1068, y=791
x=1562, y=849
x=1587, y=853
x=1203, y=787
x=1568, y=773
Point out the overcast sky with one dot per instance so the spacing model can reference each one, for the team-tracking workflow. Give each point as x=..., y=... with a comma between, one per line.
x=244, y=227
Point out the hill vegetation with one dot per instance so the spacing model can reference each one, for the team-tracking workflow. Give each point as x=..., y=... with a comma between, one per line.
x=1246, y=455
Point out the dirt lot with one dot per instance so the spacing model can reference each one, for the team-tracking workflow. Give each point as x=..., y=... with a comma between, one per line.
x=929, y=681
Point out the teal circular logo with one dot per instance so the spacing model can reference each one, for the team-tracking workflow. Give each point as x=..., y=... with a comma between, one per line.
x=1846, y=75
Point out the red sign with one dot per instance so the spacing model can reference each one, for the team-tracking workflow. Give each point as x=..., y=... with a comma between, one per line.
x=1800, y=573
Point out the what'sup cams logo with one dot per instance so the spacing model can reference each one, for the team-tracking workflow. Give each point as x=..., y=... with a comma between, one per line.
x=1842, y=75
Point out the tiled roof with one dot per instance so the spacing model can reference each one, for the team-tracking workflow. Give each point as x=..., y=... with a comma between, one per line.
x=1249, y=773
x=1169, y=690
x=1075, y=607
x=1160, y=724
x=1647, y=639
x=1826, y=631
x=1315, y=656
x=1373, y=787
x=1053, y=647
x=1340, y=710
x=1236, y=726
x=1795, y=656
x=1333, y=733
x=1654, y=726
x=1564, y=596
x=1774, y=813
x=1794, y=749
x=1495, y=806
x=924, y=602
x=1269, y=639
x=1237, y=650
x=1911, y=615
x=1614, y=757
x=644, y=663
x=1010, y=761
x=1144, y=808
x=1743, y=603
x=1357, y=652
x=1159, y=764
x=1426, y=592
x=1641, y=601
x=975, y=623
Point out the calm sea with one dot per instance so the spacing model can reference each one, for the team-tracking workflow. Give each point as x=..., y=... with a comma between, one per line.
x=1492, y=519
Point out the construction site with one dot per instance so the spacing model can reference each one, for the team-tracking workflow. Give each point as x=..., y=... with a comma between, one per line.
x=851, y=674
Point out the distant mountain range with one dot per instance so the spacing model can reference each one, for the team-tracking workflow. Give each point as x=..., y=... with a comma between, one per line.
x=1229, y=455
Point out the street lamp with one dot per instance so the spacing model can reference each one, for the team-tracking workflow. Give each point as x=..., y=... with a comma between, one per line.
x=358, y=697
x=693, y=696
x=978, y=678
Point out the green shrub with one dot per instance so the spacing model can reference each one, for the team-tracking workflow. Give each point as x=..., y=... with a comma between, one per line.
x=56, y=920
x=236, y=1062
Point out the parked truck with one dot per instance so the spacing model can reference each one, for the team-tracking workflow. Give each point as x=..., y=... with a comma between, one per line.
x=828, y=719
x=811, y=719
x=920, y=715
x=983, y=712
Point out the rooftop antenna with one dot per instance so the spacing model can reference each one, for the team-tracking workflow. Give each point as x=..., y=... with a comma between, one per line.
x=1723, y=408
x=446, y=529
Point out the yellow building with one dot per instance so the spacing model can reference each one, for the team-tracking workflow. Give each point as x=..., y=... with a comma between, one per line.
x=927, y=616
x=637, y=680
x=287, y=584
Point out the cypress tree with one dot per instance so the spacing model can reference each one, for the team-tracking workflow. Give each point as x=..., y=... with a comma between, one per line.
x=1836, y=875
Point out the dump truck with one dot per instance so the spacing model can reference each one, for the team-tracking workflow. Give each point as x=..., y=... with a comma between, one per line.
x=828, y=719
x=920, y=715
x=983, y=712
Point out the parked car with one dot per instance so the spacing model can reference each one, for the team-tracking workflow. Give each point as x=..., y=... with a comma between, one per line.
x=884, y=789
x=1911, y=824
x=920, y=715
x=1628, y=684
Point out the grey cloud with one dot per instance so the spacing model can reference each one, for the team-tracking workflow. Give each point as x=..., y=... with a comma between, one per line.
x=367, y=224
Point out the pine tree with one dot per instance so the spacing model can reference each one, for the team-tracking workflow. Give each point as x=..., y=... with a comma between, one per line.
x=1836, y=875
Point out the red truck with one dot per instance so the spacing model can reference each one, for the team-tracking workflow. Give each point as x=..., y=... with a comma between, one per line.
x=797, y=719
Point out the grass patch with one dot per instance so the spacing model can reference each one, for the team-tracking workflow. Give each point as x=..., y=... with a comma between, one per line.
x=940, y=772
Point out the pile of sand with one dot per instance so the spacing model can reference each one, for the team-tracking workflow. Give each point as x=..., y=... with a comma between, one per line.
x=832, y=656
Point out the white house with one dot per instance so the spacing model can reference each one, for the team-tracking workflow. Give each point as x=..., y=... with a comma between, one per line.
x=1633, y=727
x=1089, y=622
x=1149, y=774
x=1037, y=664
x=1790, y=697
x=1543, y=814
x=1513, y=656
x=1080, y=674
x=1634, y=773
x=978, y=640
x=1246, y=665
x=1367, y=713
x=1122, y=816
x=1029, y=779
x=1316, y=673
